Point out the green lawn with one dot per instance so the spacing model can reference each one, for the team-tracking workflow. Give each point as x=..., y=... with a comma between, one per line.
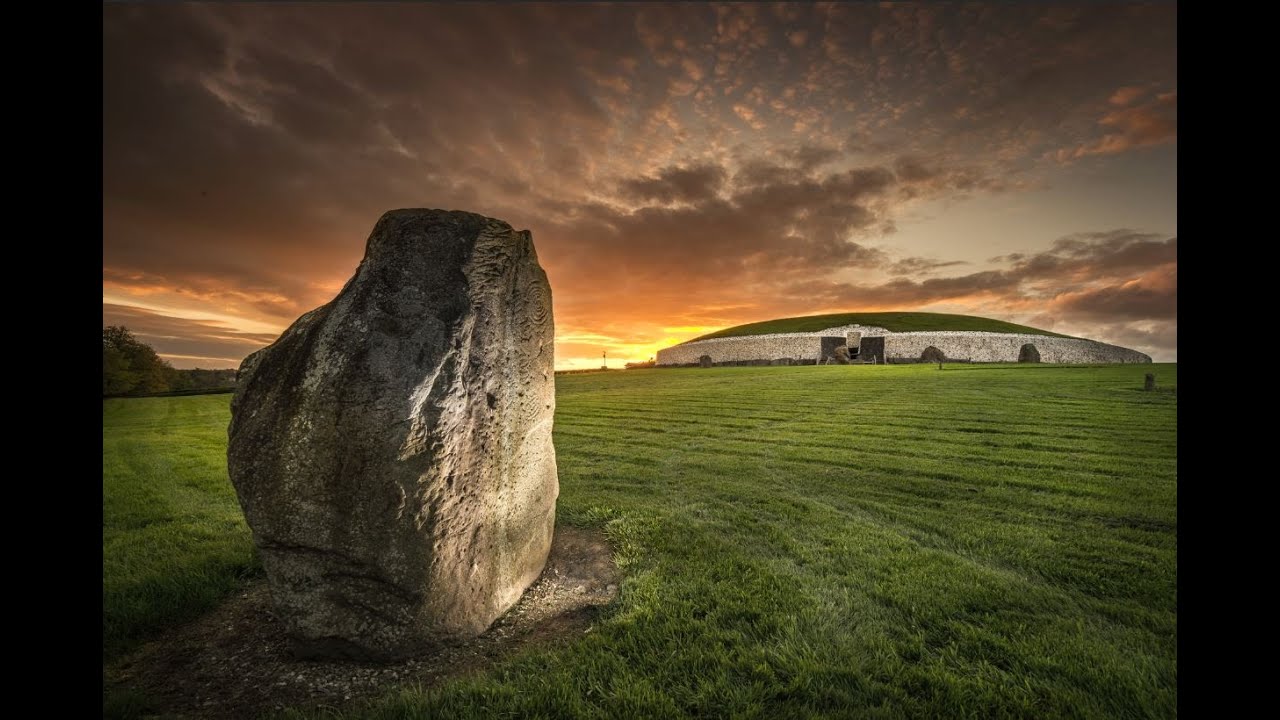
x=833, y=541
x=174, y=542
x=892, y=321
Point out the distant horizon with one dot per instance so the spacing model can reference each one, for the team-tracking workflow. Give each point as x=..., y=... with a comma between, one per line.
x=712, y=332
x=682, y=168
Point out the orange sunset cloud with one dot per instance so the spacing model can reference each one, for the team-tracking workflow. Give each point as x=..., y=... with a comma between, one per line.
x=682, y=167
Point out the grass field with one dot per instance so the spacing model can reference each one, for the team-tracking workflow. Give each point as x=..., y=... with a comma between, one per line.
x=834, y=541
x=174, y=542
x=892, y=321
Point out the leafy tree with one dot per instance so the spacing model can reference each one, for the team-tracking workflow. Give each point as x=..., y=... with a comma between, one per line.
x=130, y=366
x=117, y=376
x=201, y=379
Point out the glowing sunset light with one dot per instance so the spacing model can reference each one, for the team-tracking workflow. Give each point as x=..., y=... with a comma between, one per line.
x=682, y=167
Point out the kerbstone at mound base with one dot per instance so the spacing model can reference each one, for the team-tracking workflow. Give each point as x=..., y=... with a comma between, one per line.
x=392, y=449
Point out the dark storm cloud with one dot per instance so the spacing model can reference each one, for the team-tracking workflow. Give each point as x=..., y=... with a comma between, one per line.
x=668, y=157
x=757, y=231
x=696, y=184
x=276, y=138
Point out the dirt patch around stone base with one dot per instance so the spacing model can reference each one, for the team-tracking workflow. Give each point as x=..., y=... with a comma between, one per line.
x=234, y=662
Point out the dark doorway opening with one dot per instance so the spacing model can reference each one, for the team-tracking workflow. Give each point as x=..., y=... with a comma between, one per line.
x=829, y=345
x=872, y=349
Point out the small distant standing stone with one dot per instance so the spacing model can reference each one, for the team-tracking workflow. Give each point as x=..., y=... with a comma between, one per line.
x=1150, y=383
x=704, y=361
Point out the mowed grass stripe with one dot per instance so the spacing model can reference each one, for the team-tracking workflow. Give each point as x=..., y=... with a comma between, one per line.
x=933, y=526
x=1084, y=458
x=709, y=455
x=858, y=542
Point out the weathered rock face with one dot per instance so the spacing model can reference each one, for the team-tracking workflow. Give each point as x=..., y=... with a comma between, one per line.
x=392, y=449
x=841, y=355
x=704, y=361
x=932, y=354
x=853, y=342
x=1028, y=354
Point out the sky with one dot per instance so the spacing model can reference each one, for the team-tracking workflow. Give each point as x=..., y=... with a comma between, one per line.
x=682, y=167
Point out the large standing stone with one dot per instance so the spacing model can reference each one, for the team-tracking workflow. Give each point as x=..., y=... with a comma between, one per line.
x=392, y=449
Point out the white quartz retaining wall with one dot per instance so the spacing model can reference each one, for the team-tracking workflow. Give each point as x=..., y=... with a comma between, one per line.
x=956, y=345
x=1004, y=347
x=793, y=346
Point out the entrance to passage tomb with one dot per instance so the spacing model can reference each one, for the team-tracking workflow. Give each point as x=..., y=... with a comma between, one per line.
x=829, y=345
x=872, y=349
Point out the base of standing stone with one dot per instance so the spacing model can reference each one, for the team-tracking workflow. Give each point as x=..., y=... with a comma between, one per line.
x=392, y=449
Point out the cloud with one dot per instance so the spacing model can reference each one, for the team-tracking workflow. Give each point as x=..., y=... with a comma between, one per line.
x=914, y=169
x=186, y=342
x=921, y=266
x=1153, y=295
x=1128, y=128
x=810, y=157
x=679, y=165
x=794, y=225
x=921, y=178
x=1095, y=255
x=695, y=184
x=1158, y=339
x=1100, y=284
x=1126, y=95
x=749, y=116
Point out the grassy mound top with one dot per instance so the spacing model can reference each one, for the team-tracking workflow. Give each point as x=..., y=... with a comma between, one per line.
x=892, y=321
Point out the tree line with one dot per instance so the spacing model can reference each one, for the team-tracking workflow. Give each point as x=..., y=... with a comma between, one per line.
x=131, y=367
